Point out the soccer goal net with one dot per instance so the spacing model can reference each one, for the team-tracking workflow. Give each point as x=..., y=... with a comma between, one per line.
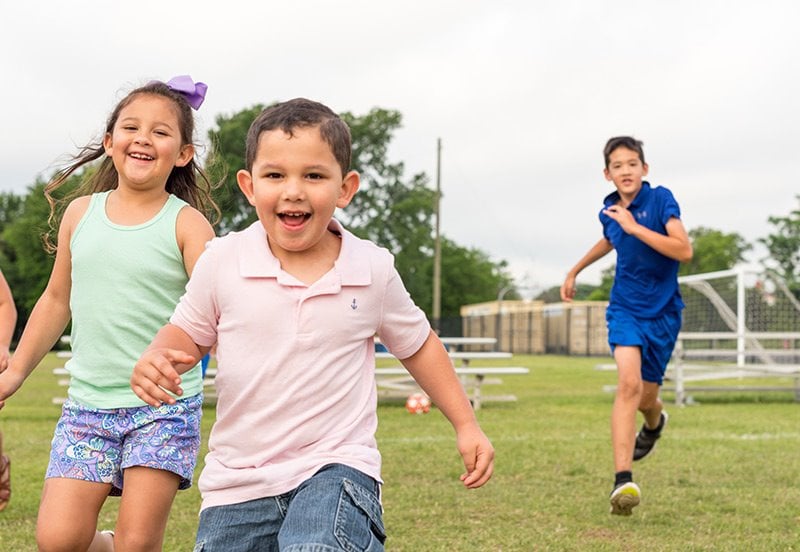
x=740, y=314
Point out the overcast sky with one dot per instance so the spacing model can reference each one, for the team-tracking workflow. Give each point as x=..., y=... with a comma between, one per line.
x=523, y=95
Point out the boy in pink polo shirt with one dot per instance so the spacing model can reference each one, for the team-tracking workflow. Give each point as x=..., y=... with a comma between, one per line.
x=293, y=303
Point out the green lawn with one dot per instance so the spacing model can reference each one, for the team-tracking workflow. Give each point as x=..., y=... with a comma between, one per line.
x=726, y=475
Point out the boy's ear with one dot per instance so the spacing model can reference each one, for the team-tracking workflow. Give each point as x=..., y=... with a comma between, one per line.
x=186, y=154
x=245, y=181
x=349, y=188
x=607, y=174
x=645, y=168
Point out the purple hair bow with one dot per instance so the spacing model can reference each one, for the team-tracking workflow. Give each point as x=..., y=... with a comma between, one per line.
x=194, y=92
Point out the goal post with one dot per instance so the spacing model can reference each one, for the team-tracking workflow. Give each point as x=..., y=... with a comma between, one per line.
x=746, y=312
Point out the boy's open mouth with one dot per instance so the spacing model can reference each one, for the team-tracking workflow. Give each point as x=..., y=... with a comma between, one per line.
x=294, y=219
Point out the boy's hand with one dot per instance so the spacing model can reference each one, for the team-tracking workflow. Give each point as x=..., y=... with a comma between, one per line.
x=623, y=217
x=568, y=288
x=478, y=455
x=3, y=358
x=155, y=372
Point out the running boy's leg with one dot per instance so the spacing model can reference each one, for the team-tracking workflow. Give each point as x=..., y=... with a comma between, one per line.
x=338, y=508
x=250, y=526
x=651, y=405
x=68, y=513
x=626, y=494
x=661, y=334
x=626, y=404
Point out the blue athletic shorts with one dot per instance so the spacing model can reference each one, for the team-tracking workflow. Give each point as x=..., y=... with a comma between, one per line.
x=98, y=444
x=338, y=508
x=654, y=336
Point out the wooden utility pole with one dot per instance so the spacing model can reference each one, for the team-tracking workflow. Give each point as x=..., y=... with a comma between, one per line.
x=437, y=245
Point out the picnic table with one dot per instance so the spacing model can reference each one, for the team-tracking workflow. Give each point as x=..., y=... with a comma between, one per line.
x=396, y=381
x=461, y=343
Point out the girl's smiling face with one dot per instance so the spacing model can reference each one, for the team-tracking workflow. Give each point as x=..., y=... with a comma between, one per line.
x=145, y=144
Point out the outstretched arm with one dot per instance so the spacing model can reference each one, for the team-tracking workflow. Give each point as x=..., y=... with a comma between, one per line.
x=51, y=313
x=597, y=251
x=433, y=370
x=171, y=353
x=8, y=321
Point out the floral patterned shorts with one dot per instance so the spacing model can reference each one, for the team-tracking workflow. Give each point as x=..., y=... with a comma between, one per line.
x=98, y=444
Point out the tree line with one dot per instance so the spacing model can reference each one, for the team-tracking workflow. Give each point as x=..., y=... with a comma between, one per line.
x=393, y=209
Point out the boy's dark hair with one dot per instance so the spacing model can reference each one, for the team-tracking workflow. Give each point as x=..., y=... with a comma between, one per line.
x=301, y=113
x=627, y=142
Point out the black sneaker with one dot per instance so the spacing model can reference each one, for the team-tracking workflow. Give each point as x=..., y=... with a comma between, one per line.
x=624, y=498
x=646, y=438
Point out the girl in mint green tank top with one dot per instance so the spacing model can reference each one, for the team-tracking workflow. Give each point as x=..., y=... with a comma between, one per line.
x=126, y=244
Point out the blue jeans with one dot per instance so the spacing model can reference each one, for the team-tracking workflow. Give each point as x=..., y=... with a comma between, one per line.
x=338, y=508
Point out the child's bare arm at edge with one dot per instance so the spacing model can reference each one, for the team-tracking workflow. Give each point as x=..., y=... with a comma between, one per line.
x=599, y=250
x=433, y=370
x=51, y=314
x=8, y=320
x=171, y=353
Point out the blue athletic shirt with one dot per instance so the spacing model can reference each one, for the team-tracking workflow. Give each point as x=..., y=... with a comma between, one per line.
x=645, y=282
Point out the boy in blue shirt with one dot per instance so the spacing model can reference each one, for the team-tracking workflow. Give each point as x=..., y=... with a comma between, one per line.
x=644, y=314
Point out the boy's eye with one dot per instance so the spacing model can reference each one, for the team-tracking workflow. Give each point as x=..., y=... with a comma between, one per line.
x=272, y=175
x=315, y=176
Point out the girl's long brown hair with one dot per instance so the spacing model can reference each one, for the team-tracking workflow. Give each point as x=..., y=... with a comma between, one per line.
x=190, y=182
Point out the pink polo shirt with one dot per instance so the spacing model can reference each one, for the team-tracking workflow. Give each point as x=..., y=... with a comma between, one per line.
x=295, y=363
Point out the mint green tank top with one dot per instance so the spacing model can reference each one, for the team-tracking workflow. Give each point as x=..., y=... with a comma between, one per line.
x=126, y=281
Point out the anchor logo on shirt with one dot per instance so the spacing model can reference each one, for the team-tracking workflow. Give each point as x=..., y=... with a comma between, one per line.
x=353, y=304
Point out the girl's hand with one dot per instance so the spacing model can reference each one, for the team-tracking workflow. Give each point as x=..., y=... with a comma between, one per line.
x=155, y=373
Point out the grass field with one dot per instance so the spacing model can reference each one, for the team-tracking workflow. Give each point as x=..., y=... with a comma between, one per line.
x=726, y=475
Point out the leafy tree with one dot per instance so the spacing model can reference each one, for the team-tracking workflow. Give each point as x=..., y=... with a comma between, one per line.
x=226, y=158
x=11, y=206
x=603, y=291
x=553, y=293
x=714, y=250
x=398, y=214
x=784, y=248
x=470, y=276
x=26, y=264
